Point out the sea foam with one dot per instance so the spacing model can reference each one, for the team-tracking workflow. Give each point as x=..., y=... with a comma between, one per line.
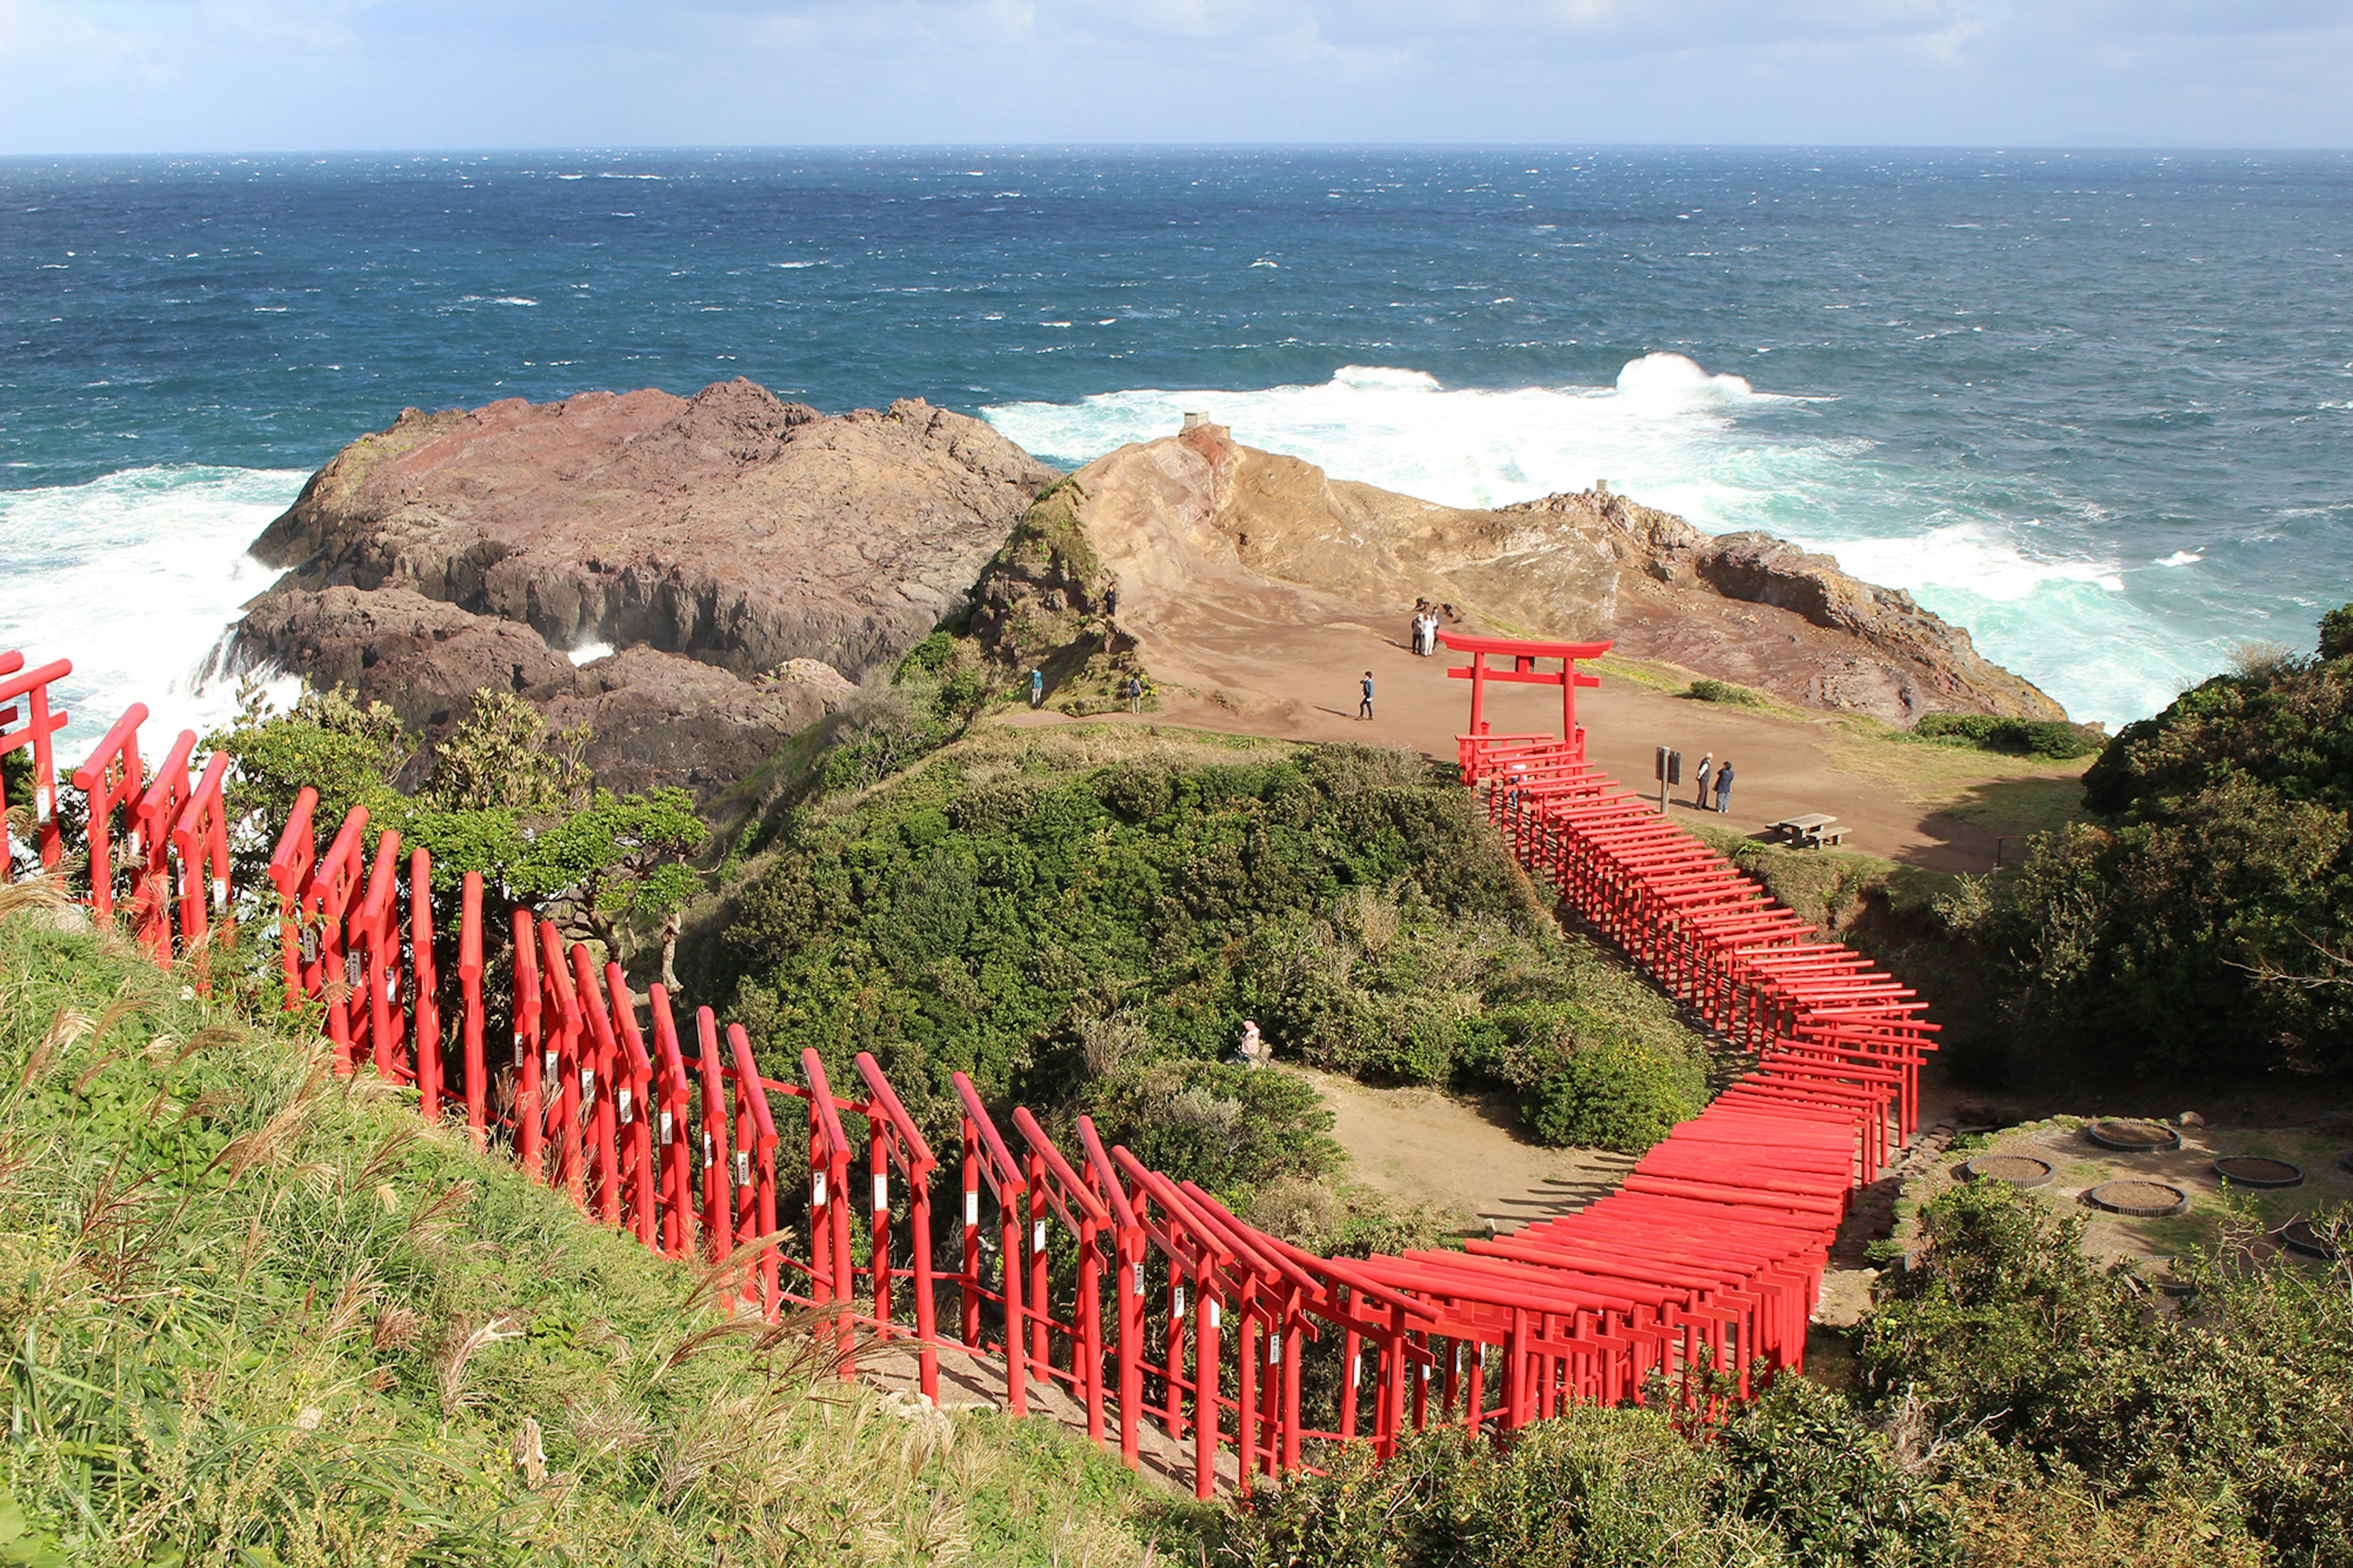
x=1718, y=450
x=136, y=578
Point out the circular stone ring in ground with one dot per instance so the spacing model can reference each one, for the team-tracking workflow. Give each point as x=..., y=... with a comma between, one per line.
x=2018, y=1170
x=2303, y=1235
x=2132, y=1136
x=2258, y=1170
x=2141, y=1200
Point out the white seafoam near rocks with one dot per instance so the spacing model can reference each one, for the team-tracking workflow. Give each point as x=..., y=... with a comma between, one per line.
x=135, y=577
x=1723, y=454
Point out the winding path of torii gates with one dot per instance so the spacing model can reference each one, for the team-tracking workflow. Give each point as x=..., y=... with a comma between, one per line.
x=1145, y=1298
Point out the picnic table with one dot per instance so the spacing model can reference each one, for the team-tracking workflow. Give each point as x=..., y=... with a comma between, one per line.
x=1812, y=831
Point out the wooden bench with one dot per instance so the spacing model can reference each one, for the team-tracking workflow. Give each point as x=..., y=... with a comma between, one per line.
x=1812, y=831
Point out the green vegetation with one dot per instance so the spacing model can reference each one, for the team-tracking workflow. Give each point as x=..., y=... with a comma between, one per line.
x=252, y=1313
x=2234, y=1417
x=2018, y=1406
x=2017, y=737
x=2207, y=928
x=1707, y=690
x=1022, y=894
x=504, y=798
x=1799, y=1478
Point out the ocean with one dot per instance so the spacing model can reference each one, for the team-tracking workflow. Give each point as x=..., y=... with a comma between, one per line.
x=2096, y=407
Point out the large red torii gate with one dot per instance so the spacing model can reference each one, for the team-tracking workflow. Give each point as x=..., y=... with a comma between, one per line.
x=1523, y=652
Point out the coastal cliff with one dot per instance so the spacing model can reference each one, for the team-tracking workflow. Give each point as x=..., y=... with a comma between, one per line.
x=1211, y=543
x=722, y=543
x=698, y=578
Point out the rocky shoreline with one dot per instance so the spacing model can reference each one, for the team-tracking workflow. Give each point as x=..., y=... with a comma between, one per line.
x=699, y=578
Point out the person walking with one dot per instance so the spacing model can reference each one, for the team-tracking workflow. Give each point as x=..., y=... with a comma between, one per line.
x=1706, y=766
x=1036, y=687
x=1364, y=704
x=1724, y=786
x=1134, y=695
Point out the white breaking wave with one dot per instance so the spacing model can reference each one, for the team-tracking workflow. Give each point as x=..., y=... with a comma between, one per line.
x=1713, y=448
x=136, y=578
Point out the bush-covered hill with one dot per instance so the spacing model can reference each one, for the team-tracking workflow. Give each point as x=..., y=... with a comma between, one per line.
x=254, y=1315
x=2210, y=927
x=1053, y=911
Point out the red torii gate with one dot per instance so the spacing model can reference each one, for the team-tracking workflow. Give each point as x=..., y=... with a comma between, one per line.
x=1523, y=652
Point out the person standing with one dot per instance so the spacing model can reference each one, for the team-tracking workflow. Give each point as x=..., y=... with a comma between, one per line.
x=1706, y=766
x=1111, y=602
x=1134, y=695
x=1724, y=786
x=1037, y=687
x=1364, y=703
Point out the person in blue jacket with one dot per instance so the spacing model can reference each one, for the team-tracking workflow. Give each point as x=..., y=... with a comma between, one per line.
x=1036, y=687
x=1723, y=785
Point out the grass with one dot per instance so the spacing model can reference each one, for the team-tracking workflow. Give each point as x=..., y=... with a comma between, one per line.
x=1935, y=773
x=254, y=1313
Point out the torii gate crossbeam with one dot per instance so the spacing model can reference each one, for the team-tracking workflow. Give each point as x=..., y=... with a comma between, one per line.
x=1523, y=653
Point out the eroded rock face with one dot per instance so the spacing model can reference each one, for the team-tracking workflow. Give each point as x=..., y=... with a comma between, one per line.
x=710, y=540
x=1205, y=537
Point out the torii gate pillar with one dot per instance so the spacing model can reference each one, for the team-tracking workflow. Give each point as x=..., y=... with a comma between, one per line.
x=1523, y=653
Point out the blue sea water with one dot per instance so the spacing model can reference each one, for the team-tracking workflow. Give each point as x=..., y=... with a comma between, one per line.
x=2096, y=407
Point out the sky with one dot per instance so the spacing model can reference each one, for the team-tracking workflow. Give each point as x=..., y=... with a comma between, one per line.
x=163, y=76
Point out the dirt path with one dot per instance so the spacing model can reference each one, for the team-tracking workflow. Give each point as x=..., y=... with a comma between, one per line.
x=1300, y=682
x=1418, y=1146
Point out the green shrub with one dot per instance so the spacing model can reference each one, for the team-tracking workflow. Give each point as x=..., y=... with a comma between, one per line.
x=1359, y=911
x=1233, y=1129
x=1621, y=1095
x=2206, y=928
x=1725, y=691
x=2336, y=633
x=1805, y=1463
x=2002, y=1325
x=2019, y=736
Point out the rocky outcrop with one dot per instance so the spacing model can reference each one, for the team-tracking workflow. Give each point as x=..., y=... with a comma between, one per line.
x=718, y=541
x=1205, y=538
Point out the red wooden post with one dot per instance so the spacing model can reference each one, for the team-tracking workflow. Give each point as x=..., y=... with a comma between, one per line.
x=673, y=1131
x=375, y=931
x=470, y=984
x=633, y=1109
x=29, y=689
x=112, y=781
x=834, y=1149
x=290, y=870
x=531, y=1097
x=200, y=839
x=561, y=1057
x=599, y=1053
x=326, y=903
x=425, y=974
x=718, y=1204
x=1128, y=1289
x=1206, y=1355
x=916, y=1163
x=158, y=809
x=755, y=1128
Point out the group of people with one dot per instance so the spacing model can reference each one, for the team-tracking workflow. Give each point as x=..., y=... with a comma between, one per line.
x=1425, y=631
x=1722, y=773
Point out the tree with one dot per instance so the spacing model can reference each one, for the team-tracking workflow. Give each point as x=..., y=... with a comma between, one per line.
x=505, y=798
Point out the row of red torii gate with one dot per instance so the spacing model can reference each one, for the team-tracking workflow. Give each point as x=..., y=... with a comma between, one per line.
x=1162, y=1319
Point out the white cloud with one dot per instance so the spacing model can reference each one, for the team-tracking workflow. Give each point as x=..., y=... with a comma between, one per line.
x=139, y=74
